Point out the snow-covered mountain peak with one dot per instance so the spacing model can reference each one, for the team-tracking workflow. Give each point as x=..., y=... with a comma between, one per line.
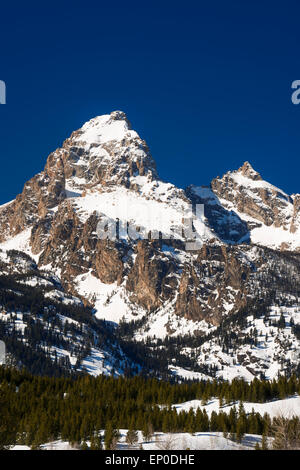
x=106, y=163
x=272, y=215
x=106, y=128
x=247, y=179
x=105, y=151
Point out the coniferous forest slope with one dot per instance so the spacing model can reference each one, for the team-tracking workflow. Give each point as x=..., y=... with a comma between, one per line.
x=35, y=410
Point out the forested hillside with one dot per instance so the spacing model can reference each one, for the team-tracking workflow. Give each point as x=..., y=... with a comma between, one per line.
x=35, y=410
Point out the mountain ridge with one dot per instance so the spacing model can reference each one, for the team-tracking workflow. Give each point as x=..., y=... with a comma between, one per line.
x=144, y=275
x=105, y=152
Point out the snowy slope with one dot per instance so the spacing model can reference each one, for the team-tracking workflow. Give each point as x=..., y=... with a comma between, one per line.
x=287, y=407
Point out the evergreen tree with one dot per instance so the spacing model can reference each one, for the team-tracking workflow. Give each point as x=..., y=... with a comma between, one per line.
x=264, y=442
x=132, y=434
x=96, y=442
x=147, y=431
x=111, y=436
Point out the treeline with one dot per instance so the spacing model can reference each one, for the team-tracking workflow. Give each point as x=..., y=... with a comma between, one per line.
x=35, y=410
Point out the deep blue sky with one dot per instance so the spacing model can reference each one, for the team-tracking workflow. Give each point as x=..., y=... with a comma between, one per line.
x=207, y=84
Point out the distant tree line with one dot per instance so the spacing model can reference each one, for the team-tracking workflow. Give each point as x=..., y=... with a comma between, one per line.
x=35, y=409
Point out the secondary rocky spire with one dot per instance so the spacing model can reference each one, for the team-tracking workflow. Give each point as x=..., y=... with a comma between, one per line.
x=247, y=170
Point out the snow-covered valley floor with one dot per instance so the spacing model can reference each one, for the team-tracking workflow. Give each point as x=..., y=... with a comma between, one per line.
x=174, y=441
